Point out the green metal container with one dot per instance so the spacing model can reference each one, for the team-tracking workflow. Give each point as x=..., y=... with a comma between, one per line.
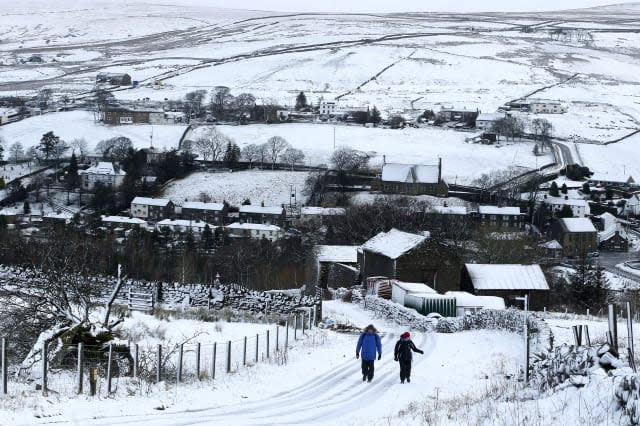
x=427, y=304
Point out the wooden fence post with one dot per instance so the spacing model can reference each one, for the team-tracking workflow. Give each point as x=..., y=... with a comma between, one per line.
x=295, y=327
x=213, y=361
x=44, y=368
x=198, y=348
x=159, y=364
x=577, y=335
x=4, y=366
x=613, y=327
x=180, y=356
x=136, y=360
x=229, y=357
x=257, y=346
x=587, y=338
x=267, y=344
x=244, y=351
x=286, y=334
x=80, y=366
x=109, y=368
x=277, y=338
x=302, y=322
x=630, y=348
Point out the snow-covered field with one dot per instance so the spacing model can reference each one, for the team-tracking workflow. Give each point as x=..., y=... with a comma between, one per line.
x=271, y=187
x=619, y=158
x=81, y=125
x=461, y=161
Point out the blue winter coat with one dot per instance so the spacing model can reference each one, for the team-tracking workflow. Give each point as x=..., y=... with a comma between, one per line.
x=369, y=343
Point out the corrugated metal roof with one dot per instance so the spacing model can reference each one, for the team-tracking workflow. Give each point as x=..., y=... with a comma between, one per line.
x=507, y=277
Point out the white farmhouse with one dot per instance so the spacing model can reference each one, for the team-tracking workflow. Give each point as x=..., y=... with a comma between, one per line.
x=153, y=209
x=547, y=106
x=105, y=173
x=255, y=230
x=327, y=107
x=485, y=121
x=579, y=207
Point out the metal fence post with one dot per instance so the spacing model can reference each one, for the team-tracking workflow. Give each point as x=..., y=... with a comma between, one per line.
x=213, y=361
x=257, y=346
x=198, y=347
x=180, y=355
x=244, y=351
x=109, y=368
x=159, y=365
x=267, y=344
x=4, y=365
x=229, y=357
x=136, y=360
x=44, y=368
x=80, y=366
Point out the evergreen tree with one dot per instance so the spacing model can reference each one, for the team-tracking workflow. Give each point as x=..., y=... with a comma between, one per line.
x=565, y=212
x=553, y=190
x=585, y=188
x=376, y=118
x=564, y=189
x=231, y=155
x=207, y=238
x=588, y=287
x=26, y=207
x=48, y=145
x=301, y=101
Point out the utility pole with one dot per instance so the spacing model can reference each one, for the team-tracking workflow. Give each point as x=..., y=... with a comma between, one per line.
x=525, y=299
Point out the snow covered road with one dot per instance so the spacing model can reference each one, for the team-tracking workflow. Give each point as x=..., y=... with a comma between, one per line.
x=321, y=384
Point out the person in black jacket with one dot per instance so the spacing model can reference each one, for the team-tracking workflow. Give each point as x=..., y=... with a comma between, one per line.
x=403, y=354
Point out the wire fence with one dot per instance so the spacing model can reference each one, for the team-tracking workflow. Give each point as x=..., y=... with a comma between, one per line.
x=132, y=368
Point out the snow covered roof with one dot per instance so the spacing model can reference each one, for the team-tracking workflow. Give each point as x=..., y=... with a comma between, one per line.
x=551, y=245
x=160, y=202
x=198, y=205
x=183, y=223
x=490, y=116
x=611, y=177
x=468, y=300
x=410, y=173
x=544, y=101
x=458, y=210
x=323, y=211
x=254, y=227
x=261, y=210
x=103, y=168
x=394, y=243
x=611, y=226
x=577, y=224
x=61, y=215
x=509, y=211
x=123, y=219
x=414, y=287
x=562, y=201
x=506, y=277
x=337, y=254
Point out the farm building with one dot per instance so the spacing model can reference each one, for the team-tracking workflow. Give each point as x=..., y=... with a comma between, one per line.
x=319, y=215
x=255, y=230
x=152, y=209
x=413, y=179
x=580, y=208
x=103, y=172
x=263, y=215
x=400, y=289
x=467, y=116
x=612, y=179
x=486, y=121
x=335, y=266
x=577, y=236
x=410, y=257
x=506, y=281
x=500, y=217
x=546, y=106
x=114, y=78
x=213, y=213
x=467, y=303
x=120, y=115
x=632, y=206
x=611, y=235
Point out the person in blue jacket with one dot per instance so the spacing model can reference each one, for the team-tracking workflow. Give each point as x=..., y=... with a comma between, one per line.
x=368, y=344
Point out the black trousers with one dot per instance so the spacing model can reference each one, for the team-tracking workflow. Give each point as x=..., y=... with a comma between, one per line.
x=405, y=369
x=367, y=369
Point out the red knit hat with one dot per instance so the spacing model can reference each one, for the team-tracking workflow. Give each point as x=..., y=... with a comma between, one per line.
x=405, y=335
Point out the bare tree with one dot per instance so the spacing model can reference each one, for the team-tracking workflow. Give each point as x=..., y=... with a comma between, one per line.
x=80, y=146
x=292, y=156
x=244, y=103
x=347, y=159
x=275, y=146
x=115, y=149
x=211, y=144
x=16, y=152
x=254, y=153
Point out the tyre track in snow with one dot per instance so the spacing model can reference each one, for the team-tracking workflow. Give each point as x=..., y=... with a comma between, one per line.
x=325, y=397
